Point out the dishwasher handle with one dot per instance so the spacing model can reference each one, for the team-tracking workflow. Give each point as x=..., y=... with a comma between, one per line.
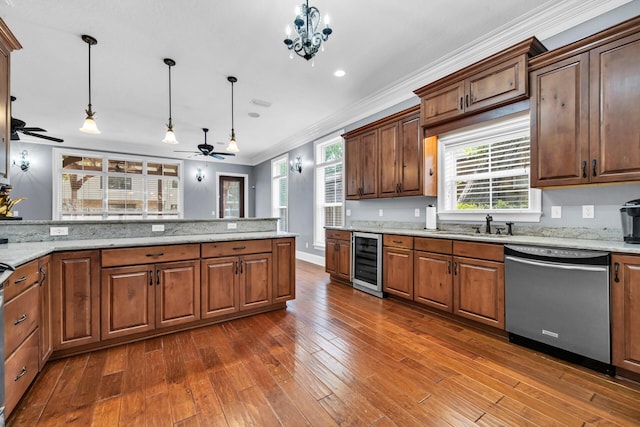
x=556, y=266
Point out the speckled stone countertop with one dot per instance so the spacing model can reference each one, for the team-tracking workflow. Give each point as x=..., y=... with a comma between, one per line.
x=16, y=254
x=562, y=241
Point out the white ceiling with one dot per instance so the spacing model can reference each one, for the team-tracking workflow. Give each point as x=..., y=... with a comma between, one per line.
x=386, y=48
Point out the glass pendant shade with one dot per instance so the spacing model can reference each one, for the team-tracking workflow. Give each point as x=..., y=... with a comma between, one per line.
x=90, y=126
x=233, y=147
x=170, y=137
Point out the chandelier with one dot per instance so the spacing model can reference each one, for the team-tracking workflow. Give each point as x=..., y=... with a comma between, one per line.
x=309, y=40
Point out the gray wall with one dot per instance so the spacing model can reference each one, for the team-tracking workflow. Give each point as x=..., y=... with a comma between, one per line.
x=36, y=185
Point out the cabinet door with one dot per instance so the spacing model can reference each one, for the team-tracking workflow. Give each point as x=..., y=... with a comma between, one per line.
x=219, y=287
x=331, y=251
x=344, y=259
x=478, y=290
x=442, y=104
x=398, y=272
x=504, y=82
x=625, y=316
x=284, y=269
x=255, y=281
x=560, y=123
x=75, y=296
x=128, y=300
x=352, y=167
x=410, y=165
x=46, y=341
x=369, y=165
x=432, y=280
x=389, y=161
x=615, y=128
x=177, y=293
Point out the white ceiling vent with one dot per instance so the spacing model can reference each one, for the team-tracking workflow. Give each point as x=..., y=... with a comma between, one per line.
x=261, y=103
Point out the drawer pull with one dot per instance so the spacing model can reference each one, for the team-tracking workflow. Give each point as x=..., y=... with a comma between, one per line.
x=22, y=279
x=156, y=255
x=21, y=374
x=397, y=241
x=20, y=319
x=239, y=248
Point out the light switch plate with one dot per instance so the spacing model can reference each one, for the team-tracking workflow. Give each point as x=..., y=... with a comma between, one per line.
x=556, y=211
x=380, y=212
x=348, y=212
x=58, y=231
x=157, y=227
x=588, y=211
x=232, y=226
x=416, y=212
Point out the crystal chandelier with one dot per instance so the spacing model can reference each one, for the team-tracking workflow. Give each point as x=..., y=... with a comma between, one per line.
x=309, y=40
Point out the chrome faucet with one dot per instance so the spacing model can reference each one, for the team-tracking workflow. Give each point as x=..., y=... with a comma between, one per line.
x=487, y=229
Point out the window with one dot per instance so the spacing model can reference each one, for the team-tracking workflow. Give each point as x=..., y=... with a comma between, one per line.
x=106, y=186
x=280, y=192
x=486, y=170
x=329, y=193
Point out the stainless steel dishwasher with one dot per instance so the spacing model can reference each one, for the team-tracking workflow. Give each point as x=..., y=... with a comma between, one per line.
x=560, y=298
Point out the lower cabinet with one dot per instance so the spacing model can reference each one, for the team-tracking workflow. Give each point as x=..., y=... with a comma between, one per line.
x=432, y=278
x=284, y=269
x=397, y=271
x=46, y=340
x=338, y=254
x=625, y=315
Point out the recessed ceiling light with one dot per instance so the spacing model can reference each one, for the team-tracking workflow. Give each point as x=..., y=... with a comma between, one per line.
x=339, y=73
x=254, y=115
x=261, y=103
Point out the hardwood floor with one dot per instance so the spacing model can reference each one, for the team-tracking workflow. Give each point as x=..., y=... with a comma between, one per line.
x=336, y=356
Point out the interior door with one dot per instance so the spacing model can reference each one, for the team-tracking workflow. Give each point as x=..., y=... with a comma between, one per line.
x=231, y=193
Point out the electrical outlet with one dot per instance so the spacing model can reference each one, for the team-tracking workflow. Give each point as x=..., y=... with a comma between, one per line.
x=58, y=231
x=232, y=226
x=588, y=211
x=348, y=212
x=416, y=212
x=556, y=211
x=157, y=227
x=306, y=245
x=213, y=213
x=380, y=212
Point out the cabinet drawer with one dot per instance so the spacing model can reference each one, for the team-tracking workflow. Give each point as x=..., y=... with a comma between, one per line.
x=440, y=246
x=149, y=254
x=19, y=370
x=21, y=316
x=487, y=251
x=238, y=247
x=338, y=234
x=398, y=241
x=24, y=276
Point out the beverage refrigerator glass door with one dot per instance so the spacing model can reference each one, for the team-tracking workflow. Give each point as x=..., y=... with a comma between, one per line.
x=366, y=258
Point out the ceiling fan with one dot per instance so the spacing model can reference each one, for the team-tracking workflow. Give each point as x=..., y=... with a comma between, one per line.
x=207, y=149
x=18, y=125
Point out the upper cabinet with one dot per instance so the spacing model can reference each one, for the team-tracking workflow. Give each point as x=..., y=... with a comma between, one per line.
x=584, y=110
x=361, y=164
x=498, y=80
x=8, y=43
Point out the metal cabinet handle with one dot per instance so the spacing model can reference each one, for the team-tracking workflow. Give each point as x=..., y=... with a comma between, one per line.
x=455, y=268
x=21, y=374
x=20, y=319
x=43, y=276
x=239, y=248
x=236, y=263
x=158, y=277
x=22, y=279
x=397, y=241
x=593, y=168
x=448, y=267
x=430, y=171
x=461, y=103
x=150, y=278
x=584, y=168
x=240, y=266
x=616, y=269
x=156, y=255
x=467, y=100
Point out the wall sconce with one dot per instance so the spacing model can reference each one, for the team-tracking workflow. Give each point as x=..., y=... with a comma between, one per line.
x=200, y=175
x=24, y=163
x=296, y=166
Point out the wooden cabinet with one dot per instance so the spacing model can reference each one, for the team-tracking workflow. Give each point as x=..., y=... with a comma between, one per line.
x=255, y=280
x=361, y=160
x=141, y=298
x=433, y=273
x=8, y=43
x=284, y=269
x=625, y=316
x=75, y=298
x=401, y=159
x=46, y=340
x=397, y=265
x=337, y=254
x=478, y=282
x=584, y=110
x=220, y=289
x=498, y=80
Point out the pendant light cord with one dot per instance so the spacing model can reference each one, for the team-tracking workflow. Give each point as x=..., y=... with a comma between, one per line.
x=169, y=95
x=232, y=107
x=89, y=44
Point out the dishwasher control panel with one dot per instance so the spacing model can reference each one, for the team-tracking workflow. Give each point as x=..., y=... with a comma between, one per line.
x=572, y=256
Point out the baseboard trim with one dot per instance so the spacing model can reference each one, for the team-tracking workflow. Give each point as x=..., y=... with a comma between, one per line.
x=314, y=259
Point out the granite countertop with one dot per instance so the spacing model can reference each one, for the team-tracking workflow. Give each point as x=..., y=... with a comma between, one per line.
x=16, y=254
x=561, y=241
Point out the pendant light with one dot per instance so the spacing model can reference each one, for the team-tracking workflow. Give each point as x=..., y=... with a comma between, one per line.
x=170, y=137
x=89, y=125
x=232, y=147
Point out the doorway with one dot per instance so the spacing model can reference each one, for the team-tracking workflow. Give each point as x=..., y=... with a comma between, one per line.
x=231, y=196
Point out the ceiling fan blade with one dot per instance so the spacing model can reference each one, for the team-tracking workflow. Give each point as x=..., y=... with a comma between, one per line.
x=222, y=153
x=216, y=156
x=186, y=151
x=37, y=135
x=33, y=129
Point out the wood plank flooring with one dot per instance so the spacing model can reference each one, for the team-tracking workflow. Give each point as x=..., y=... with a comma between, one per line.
x=336, y=356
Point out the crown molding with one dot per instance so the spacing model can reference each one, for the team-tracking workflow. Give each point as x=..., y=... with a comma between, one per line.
x=543, y=22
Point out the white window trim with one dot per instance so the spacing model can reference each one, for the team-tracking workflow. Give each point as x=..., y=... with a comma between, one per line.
x=246, y=191
x=56, y=157
x=284, y=158
x=535, y=198
x=335, y=137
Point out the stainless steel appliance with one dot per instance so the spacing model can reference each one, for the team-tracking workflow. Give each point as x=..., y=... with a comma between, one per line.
x=630, y=218
x=559, y=298
x=5, y=271
x=366, y=262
